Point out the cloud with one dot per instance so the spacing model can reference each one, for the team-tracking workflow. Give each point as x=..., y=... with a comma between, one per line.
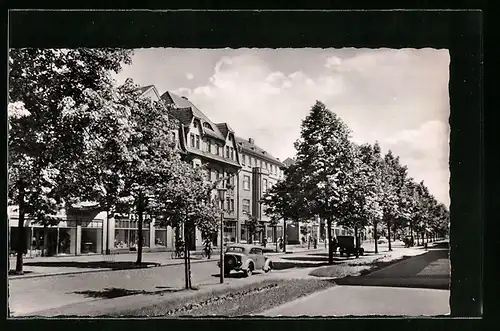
x=189, y=76
x=398, y=97
x=261, y=103
x=425, y=150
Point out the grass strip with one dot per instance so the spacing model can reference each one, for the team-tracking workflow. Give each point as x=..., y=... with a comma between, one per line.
x=232, y=301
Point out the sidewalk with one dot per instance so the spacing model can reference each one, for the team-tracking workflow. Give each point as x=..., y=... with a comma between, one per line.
x=65, y=265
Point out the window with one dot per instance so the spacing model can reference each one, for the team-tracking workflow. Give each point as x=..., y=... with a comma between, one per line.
x=243, y=159
x=192, y=139
x=246, y=206
x=216, y=174
x=271, y=166
x=208, y=126
x=198, y=141
x=264, y=185
x=256, y=251
x=232, y=153
x=209, y=146
x=246, y=183
x=265, y=165
x=250, y=161
x=195, y=124
x=227, y=151
x=254, y=162
x=260, y=163
x=232, y=205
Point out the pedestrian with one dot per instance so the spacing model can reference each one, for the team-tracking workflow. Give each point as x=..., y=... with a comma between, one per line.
x=309, y=243
x=335, y=245
x=207, y=247
x=280, y=242
x=315, y=242
x=264, y=242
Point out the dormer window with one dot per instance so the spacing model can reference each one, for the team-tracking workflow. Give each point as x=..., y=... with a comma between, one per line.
x=195, y=125
x=208, y=126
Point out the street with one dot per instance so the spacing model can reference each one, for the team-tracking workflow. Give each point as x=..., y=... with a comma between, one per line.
x=416, y=286
x=84, y=293
x=31, y=295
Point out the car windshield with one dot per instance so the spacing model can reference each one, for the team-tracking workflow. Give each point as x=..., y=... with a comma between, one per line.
x=235, y=249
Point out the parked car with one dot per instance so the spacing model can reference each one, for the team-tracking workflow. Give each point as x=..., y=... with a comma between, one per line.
x=382, y=240
x=347, y=246
x=246, y=258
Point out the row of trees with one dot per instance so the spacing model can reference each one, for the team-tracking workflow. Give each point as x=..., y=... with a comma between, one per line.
x=352, y=185
x=75, y=136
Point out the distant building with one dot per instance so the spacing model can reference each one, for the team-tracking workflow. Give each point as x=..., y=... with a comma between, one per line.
x=260, y=171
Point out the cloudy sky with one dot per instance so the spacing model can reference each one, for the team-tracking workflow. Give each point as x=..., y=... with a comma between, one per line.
x=398, y=97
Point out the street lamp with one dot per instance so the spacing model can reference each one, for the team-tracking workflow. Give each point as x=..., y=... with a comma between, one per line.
x=222, y=196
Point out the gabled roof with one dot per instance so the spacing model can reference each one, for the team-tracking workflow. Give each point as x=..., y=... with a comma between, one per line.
x=224, y=128
x=185, y=112
x=144, y=89
x=256, y=151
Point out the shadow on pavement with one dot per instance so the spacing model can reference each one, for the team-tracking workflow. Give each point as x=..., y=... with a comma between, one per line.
x=113, y=292
x=93, y=264
x=13, y=272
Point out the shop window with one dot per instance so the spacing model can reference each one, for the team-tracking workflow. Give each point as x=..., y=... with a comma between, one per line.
x=160, y=237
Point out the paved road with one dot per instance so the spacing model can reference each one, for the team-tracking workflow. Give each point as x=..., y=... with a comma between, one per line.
x=416, y=286
x=367, y=300
x=32, y=295
x=430, y=270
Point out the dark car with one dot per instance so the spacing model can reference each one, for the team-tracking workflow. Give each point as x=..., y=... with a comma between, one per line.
x=245, y=258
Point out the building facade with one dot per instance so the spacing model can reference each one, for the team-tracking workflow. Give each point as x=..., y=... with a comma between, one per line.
x=260, y=171
x=249, y=169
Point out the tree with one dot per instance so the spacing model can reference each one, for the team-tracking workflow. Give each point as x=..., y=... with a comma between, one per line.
x=41, y=144
x=286, y=201
x=185, y=202
x=362, y=205
x=324, y=161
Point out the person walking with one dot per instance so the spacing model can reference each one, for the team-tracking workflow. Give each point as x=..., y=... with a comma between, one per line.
x=207, y=247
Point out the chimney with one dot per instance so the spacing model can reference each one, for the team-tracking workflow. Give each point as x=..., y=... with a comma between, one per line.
x=250, y=140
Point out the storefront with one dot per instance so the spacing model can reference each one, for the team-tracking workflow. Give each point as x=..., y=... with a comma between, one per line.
x=230, y=231
x=68, y=237
x=126, y=233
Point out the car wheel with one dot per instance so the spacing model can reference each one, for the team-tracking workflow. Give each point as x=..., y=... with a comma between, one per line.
x=248, y=270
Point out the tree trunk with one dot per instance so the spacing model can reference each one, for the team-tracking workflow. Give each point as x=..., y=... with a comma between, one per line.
x=330, y=248
x=356, y=238
x=45, y=237
x=375, y=236
x=389, y=234
x=284, y=236
x=188, y=257
x=411, y=234
x=276, y=237
x=186, y=268
x=21, y=238
x=111, y=218
x=140, y=211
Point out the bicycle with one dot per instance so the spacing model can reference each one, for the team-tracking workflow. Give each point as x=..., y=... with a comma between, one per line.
x=177, y=254
x=206, y=253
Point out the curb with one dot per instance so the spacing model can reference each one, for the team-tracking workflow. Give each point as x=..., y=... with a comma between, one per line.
x=15, y=277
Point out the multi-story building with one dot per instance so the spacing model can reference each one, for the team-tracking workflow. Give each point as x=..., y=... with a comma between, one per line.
x=212, y=145
x=260, y=171
x=249, y=169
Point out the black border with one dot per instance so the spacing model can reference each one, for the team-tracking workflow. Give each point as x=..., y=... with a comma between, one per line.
x=458, y=31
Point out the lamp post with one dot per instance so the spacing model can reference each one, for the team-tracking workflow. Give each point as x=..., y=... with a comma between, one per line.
x=222, y=195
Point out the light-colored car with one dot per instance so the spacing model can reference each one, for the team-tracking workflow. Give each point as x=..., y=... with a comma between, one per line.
x=246, y=258
x=382, y=240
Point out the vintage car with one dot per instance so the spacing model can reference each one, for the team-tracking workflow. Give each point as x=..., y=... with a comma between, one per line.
x=245, y=257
